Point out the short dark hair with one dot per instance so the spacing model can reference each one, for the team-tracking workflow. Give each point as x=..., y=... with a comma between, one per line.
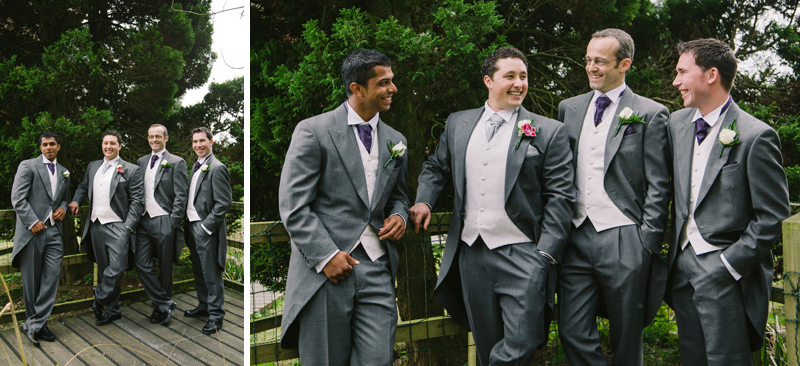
x=626, y=47
x=710, y=52
x=115, y=134
x=205, y=130
x=162, y=126
x=358, y=67
x=489, y=66
x=47, y=135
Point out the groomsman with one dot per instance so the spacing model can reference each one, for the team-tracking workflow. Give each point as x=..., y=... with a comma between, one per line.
x=731, y=196
x=114, y=189
x=612, y=264
x=160, y=234
x=512, y=173
x=343, y=198
x=39, y=197
x=209, y=202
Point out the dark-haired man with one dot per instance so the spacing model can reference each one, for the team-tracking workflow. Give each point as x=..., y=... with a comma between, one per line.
x=512, y=174
x=160, y=234
x=206, y=236
x=39, y=197
x=622, y=181
x=114, y=189
x=731, y=196
x=343, y=197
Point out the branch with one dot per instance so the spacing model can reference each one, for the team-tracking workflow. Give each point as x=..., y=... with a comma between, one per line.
x=226, y=62
x=171, y=8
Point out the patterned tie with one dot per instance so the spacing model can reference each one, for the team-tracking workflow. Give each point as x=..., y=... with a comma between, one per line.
x=52, y=167
x=600, y=106
x=701, y=130
x=106, y=165
x=153, y=161
x=365, y=134
x=492, y=125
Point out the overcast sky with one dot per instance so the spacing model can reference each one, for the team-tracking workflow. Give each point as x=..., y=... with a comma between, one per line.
x=230, y=41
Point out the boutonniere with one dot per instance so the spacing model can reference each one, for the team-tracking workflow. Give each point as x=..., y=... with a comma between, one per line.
x=729, y=136
x=204, y=168
x=627, y=117
x=165, y=164
x=120, y=169
x=525, y=128
x=396, y=150
x=65, y=174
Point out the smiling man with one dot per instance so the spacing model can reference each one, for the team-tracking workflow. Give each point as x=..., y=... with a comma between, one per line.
x=497, y=275
x=210, y=199
x=39, y=197
x=731, y=196
x=343, y=199
x=114, y=189
x=159, y=234
x=612, y=264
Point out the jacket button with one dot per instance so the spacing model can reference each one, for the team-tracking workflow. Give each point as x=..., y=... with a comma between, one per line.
x=365, y=219
x=683, y=216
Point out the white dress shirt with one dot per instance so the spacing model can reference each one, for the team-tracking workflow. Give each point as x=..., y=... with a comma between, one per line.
x=152, y=207
x=191, y=211
x=53, y=183
x=101, y=192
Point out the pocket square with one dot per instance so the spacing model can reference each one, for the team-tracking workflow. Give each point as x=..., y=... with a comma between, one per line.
x=531, y=151
x=629, y=131
x=398, y=162
x=730, y=164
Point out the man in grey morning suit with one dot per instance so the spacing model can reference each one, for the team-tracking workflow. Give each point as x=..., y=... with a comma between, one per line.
x=343, y=196
x=612, y=264
x=159, y=234
x=39, y=197
x=731, y=196
x=114, y=189
x=206, y=229
x=497, y=276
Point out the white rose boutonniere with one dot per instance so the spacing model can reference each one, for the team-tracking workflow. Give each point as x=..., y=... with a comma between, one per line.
x=65, y=174
x=165, y=165
x=525, y=128
x=396, y=150
x=627, y=117
x=729, y=136
x=204, y=168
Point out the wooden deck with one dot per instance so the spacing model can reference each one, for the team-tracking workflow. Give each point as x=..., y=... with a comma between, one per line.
x=132, y=340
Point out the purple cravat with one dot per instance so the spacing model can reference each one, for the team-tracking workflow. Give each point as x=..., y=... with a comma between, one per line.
x=52, y=167
x=153, y=161
x=701, y=130
x=365, y=134
x=600, y=106
x=196, y=166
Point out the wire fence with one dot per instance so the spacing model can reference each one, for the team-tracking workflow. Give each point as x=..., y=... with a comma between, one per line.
x=427, y=336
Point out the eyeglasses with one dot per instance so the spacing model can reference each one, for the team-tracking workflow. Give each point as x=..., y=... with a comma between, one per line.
x=598, y=61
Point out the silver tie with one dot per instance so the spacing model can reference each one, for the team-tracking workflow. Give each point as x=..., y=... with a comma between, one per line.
x=494, y=123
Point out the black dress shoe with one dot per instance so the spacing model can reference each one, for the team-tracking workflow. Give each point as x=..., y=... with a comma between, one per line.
x=108, y=318
x=195, y=313
x=212, y=326
x=45, y=334
x=167, y=314
x=97, y=309
x=32, y=337
x=156, y=316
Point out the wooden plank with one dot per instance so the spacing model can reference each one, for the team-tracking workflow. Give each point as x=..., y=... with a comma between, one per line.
x=265, y=324
x=233, y=285
x=106, y=339
x=270, y=352
x=232, y=334
x=233, y=321
x=791, y=285
x=236, y=244
x=72, y=341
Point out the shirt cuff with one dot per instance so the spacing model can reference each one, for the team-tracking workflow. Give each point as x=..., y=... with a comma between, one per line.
x=401, y=217
x=32, y=225
x=325, y=261
x=730, y=268
x=549, y=257
x=204, y=229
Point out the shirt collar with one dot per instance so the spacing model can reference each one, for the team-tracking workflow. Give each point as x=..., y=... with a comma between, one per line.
x=114, y=162
x=354, y=119
x=160, y=154
x=205, y=159
x=506, y=114
x=714, y=116
x=613, y=94
x=44, y=159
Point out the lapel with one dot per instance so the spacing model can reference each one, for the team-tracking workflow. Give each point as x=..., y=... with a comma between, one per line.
x=60, y=180
x=160, y=170
x=462, y=134
x=683, y=150
x=574, y=117
x=613, y=142
x=202, y=175
x=383, y=156
x=516, y=156
x=93, y=168
x=715, y=162
x=44, y=174
x=344, y=140
x=116, y=176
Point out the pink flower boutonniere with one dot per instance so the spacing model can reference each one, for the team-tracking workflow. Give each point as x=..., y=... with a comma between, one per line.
x=120, y=169
x=525, y=128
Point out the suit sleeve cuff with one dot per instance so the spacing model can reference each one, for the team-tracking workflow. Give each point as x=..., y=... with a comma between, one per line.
x=325, y=261
x=32, y=225
x=730, y=268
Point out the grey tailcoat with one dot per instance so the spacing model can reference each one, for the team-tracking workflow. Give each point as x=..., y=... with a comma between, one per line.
x=127, y=200
x=212, y=201
x=636, y=176
x=171, y=193
x=742, y=201
x=324, y=204
x=32, y=199
x=539, y=193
